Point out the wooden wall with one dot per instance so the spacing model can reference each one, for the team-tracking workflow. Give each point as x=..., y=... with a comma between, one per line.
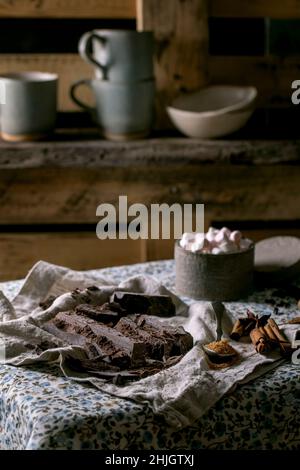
x=270, y=72
x=67, y=8
x=255, y=8
x=43, y=211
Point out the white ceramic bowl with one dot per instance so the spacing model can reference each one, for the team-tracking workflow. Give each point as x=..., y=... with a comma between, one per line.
x=213, y=111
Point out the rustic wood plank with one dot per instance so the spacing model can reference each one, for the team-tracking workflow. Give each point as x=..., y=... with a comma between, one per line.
x=232, y=192
x=69, y=67
x=272, y=76
x=255, y=8
x=67, y=9
x=156, y=152
x=181, y=49
x=19, y=251
x=229, y=192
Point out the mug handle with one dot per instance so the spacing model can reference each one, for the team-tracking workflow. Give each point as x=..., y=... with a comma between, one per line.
x=86, y=52
x=84, y=81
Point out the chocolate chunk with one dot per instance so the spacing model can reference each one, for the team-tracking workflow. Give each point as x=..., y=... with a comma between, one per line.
x=92, y=350
x=106, y=313
x=111, y=342
x=155, y=347
x=177, y=341
x=159, y=305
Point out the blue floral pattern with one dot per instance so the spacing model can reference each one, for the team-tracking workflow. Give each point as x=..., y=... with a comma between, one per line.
x=41, y=409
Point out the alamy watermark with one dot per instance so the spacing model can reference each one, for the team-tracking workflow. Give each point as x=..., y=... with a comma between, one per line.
x=136, y=221
x=295, y=97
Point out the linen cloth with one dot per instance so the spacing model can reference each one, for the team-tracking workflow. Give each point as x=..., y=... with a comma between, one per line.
x=181, y=394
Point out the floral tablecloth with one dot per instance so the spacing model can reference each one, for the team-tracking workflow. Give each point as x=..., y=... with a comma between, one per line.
x=41, y=409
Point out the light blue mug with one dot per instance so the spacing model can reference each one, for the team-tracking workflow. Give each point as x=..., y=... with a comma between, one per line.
x=28, y=106
x=119, y=55
x=124, y=111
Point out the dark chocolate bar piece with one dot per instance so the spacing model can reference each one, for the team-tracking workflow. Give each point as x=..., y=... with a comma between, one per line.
x=155, y=347
x=92, y=349
x=178, y=341
x=112, y=342
x=158, y=305
x=106, y=313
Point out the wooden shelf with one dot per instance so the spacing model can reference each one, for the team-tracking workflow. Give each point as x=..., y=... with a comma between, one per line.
x=68, y=9
x=271, y=137
x=88, y=151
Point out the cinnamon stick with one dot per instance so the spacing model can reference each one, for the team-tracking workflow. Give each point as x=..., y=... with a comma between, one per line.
x=294, y=321
x=283, y=343
x=242, y=327
x=270, y=333
x=260, y=340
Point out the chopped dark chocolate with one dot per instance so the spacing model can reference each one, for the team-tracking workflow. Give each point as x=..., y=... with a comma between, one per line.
x=112, y=342
x=120, y=345
x=158, y=305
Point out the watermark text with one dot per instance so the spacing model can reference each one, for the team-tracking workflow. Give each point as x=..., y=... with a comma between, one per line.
x=137, y=221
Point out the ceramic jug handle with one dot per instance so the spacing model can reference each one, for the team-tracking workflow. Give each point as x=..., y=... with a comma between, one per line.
x=85, y=49
x=76, y=100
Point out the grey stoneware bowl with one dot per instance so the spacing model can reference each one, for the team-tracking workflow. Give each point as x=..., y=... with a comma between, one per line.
x=222, y=277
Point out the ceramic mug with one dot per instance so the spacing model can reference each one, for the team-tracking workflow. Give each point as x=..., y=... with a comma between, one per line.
x=29, y=109
x=124, y=111
x=119, y=56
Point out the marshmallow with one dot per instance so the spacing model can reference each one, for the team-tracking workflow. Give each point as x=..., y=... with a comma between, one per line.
x=235, y=237
x=183, y=243
x=196, y=247
x=186, y=245
x=199, y=246
x=221, y=237
x=199, y=237
x=215, y=241
x=210, y=236
x=226, y=231
x=189, y=237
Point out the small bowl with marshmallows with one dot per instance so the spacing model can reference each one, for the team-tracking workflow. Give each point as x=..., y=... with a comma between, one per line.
x=216, y=265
